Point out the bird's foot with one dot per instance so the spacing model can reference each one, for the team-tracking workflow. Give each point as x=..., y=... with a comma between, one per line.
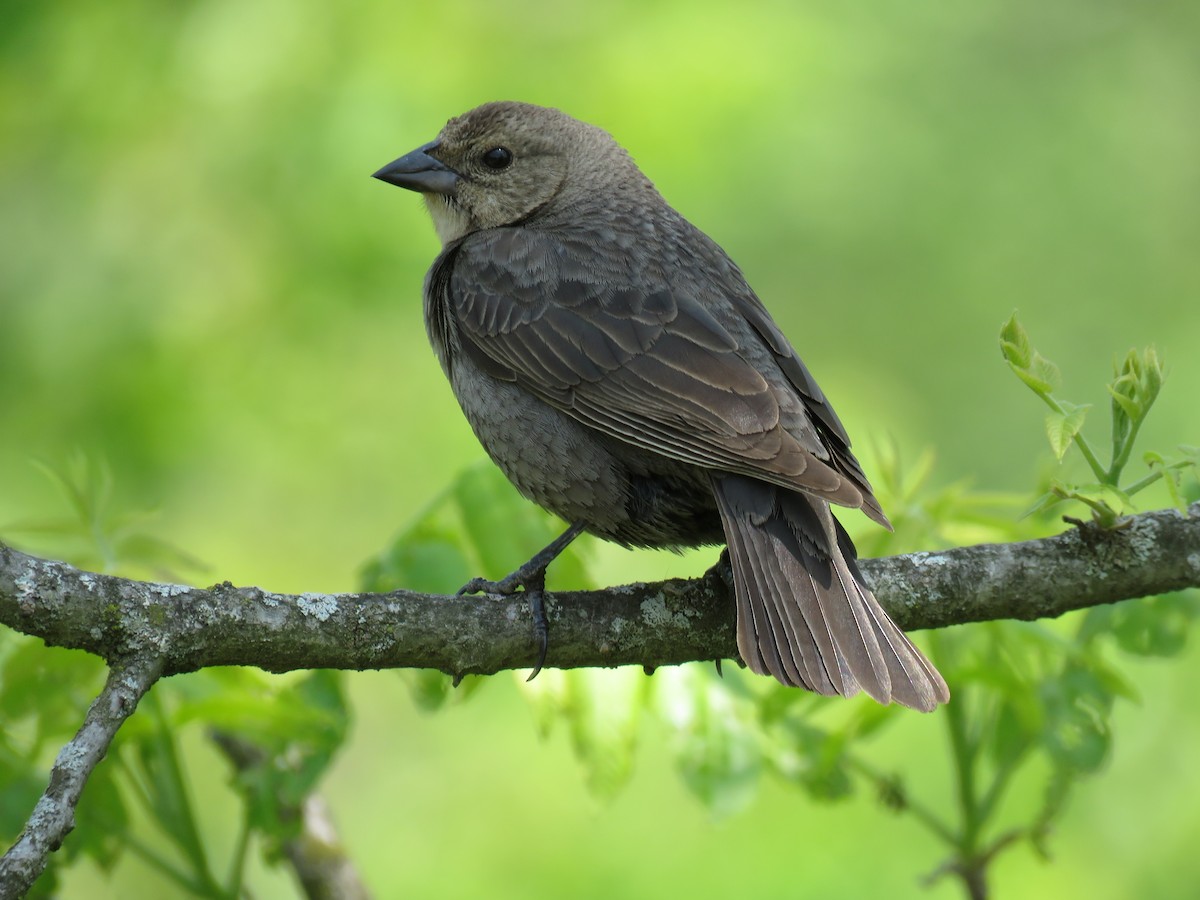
x=529, y=579
x=510, y=584
x=531, y=575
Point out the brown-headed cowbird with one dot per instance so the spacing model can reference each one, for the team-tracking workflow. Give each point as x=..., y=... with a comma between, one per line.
x=620, y=371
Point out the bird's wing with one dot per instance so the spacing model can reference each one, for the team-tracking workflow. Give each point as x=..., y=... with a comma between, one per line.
x=829, y=427
x=649, y=365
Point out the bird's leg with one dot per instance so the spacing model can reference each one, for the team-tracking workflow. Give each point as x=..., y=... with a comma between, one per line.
x=531, y=575
x=531, y=578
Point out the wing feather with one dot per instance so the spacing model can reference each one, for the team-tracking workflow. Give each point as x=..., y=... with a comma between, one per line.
x=654, y=366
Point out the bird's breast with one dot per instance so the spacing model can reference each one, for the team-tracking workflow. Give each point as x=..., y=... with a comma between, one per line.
x=620, y=492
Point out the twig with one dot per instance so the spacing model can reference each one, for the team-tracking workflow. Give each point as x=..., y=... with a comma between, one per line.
x=148, y=630
x=317, y=855
x=54, y=815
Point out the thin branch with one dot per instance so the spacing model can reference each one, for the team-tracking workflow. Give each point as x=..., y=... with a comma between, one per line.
x=316, y=853
x=53, y=817
x=655, y=624
x=148, y=630
x=319, y=859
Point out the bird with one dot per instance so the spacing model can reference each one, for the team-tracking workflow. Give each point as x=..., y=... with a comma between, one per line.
x=616, y=365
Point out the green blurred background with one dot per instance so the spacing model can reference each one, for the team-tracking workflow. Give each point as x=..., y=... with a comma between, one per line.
x=200, y=284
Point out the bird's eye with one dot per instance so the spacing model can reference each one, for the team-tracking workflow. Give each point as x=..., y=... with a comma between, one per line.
x=498, y=158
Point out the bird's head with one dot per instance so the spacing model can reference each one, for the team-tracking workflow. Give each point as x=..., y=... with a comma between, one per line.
x=505, y=163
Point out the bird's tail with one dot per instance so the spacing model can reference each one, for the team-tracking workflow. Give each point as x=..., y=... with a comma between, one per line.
x=804, y=614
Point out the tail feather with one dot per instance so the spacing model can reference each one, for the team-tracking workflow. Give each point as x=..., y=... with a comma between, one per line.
x=860, y=641
x=765, y=630
x=921, y=686
x=805, y=651
x=760, y=655
x=804, y=614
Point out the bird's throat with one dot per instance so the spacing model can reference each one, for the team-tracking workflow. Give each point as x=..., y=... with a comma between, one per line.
x=449, y=219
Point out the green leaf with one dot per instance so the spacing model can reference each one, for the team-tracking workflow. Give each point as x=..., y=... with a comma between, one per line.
x=1112, y=679
x=1136, y=385
x=479, y=526
x=822, y=771
x=547, y=695
x=428, y=688
x=1045, y=502
x=431, y=689
x=1153, y=375
x=1016, y=727
x=269, y=719
x=22, y=781
x=1046, y=372
x=1171, y=476
x=1078, y=704
x=159, y=556
x=505, y=529
x=1155, y=626
x=603, y=709
x=1054, y=801
x=48, y=685
x=1124, y=396
x=103, y=818
x=284, y=758
x=1042, y=376
x=870, y=718
x=310, y=752
x=1061, y=427
x=156, y=755
x=430, y=555
x=1106, y=502
x=97, y=536
x=717, y=753
x=85, y=483
x=1014, y=344
x=1106, y=493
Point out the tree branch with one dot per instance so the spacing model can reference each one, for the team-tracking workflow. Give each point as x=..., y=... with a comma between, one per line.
x=316, y=853
x=53, y=817
x=147, y=630
x=656, y=624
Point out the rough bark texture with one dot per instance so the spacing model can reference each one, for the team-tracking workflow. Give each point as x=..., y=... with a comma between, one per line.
x=146, y=631
x=53, y=817
x=641, y=624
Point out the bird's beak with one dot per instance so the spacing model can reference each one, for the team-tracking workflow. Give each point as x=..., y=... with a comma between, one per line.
x=418, y=171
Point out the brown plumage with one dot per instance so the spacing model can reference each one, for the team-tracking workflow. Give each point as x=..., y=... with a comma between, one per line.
x=618, y=368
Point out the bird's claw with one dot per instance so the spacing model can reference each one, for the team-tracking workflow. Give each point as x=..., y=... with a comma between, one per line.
x=505, y=587
x=532, y=583
x=541, y=629
x=531, y=580
x=529, y=577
